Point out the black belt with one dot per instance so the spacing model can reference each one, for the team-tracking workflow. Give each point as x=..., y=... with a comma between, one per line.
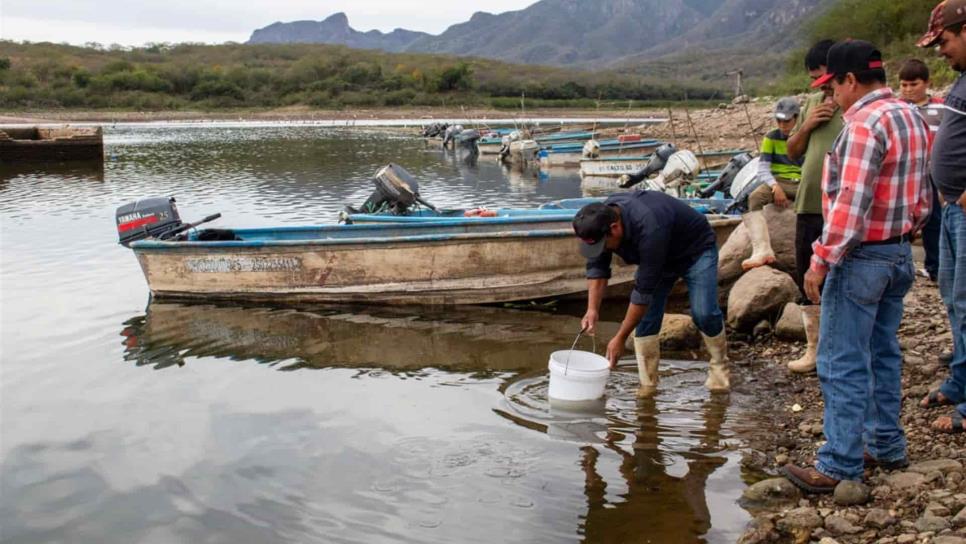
x=893, y=240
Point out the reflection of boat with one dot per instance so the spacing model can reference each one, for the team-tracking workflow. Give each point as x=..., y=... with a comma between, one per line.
x=51, y=144
x=445, y=262
x=477, y=339
x=92, y=170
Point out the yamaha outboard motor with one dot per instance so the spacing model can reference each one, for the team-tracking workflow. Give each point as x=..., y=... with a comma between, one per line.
x=727, y=175
x=147, y=218
x=396, y=192
x=654, y=165
x=156, y=218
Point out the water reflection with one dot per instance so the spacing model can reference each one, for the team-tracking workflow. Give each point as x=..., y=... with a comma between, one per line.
x=647, y=463
x=459, y=339
x=75, y=170
x=675, y=507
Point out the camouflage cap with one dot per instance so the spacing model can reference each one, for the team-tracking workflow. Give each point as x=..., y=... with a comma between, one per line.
x=947, y=13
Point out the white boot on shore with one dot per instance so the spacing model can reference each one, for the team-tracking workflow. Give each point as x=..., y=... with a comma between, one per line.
x=811, y=316
x=719, y=376
x=648, y=352
x=761, y=252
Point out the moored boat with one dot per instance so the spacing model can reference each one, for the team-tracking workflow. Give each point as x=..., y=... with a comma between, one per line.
x=629, y=164
x=442, y=263
x=572, y=154
x=51, y=143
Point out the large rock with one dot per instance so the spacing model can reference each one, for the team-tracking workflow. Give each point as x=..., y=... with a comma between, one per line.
x=790, y=325
x=759, y=294
x=849, y=493
x=770, y=493
x=679, y=332
x=781, y=231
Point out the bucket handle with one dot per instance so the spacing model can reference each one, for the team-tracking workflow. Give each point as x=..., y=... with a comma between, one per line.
x=571, y=352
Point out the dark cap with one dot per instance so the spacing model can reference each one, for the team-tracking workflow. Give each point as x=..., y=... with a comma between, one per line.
x=850, y=56
x=591, y=225
x=944, y=15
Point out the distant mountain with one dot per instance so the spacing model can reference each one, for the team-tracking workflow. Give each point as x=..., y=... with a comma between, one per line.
x=335, y=30
x=612, y=33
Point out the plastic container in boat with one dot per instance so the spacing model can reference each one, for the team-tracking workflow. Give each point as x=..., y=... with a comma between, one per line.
x=582, y=379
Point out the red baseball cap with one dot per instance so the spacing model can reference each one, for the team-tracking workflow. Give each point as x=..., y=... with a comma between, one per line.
x=850, y=56
x=944, y=15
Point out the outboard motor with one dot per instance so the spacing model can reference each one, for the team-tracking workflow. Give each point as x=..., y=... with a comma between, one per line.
x=156, y=218
x=514, y=136
x=396, y=192
x=591, y=149
x=727, y=176
x=744, y=184
x=681, y=167
x=655, y=164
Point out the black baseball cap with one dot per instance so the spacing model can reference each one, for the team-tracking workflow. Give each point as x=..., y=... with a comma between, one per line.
x=850, y=56
x=591, y=225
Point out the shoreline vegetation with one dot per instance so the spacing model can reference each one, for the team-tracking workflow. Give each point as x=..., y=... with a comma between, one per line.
x=305, y=114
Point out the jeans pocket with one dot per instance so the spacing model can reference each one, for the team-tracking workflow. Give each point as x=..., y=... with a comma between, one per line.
x=866, y=281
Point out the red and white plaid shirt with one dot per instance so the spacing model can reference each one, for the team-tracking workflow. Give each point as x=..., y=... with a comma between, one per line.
x=874, y=185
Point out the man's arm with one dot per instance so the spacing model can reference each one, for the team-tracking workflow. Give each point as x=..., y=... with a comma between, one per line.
x=596, y=287
x=598, y=272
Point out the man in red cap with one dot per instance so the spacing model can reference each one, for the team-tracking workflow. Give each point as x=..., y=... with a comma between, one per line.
x=875, y=195
x=947, y=32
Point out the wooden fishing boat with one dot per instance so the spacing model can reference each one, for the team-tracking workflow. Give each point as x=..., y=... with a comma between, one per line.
x=439, y=263
x=629, y=164
x=572, y=154
x=51, y=144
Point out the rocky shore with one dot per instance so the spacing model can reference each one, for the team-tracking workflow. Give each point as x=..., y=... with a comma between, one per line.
x=923, y=503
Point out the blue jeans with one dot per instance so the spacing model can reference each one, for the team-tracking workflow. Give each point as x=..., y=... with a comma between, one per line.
x=931, y=234
x=702, y=281
x=859, y=359
x=952, y=287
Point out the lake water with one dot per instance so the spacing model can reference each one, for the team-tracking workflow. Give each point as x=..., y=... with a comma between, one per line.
x=126, y=420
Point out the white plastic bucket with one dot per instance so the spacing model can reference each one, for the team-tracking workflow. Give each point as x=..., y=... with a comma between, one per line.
x=582, y=379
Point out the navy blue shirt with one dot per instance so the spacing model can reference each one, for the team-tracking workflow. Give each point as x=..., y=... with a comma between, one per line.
x=662, y=235
x=949, y=149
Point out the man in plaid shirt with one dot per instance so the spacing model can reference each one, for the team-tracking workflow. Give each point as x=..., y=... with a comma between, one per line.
x=875, y=196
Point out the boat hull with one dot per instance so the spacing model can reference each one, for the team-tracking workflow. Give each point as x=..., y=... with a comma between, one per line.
x=460, y=269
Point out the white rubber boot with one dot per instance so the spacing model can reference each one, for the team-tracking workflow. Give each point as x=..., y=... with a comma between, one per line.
x=811, y=316
x=719, y=377
x=648, y=352
x=761, y=253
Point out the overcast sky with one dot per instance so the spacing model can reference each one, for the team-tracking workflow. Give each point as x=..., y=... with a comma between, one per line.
x=133, y=22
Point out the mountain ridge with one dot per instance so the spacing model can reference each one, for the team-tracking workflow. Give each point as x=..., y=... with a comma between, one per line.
x=623, y=34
